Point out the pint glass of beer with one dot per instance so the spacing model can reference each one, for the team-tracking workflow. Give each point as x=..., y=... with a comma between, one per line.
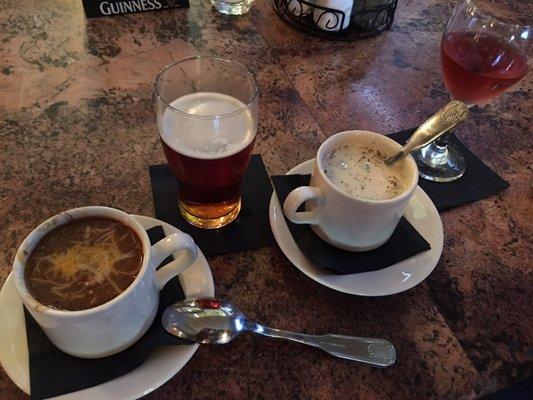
x=207, y=119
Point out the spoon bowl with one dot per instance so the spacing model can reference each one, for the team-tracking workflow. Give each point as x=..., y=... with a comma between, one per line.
x=207, y=321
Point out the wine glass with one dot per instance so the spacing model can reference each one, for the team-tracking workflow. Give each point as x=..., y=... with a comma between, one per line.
x=481, y=57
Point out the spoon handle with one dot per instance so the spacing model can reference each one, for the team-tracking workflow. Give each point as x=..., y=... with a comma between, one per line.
x=376, y=352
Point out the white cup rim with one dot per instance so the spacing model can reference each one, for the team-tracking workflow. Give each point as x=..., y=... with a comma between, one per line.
x=409, y=159
x=27, y=246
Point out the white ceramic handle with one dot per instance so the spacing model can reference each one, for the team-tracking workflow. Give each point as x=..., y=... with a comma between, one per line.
x=295, y=200
x=177, y=242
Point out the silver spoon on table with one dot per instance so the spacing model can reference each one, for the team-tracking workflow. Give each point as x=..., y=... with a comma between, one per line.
x=448, y=117
x=217, y=321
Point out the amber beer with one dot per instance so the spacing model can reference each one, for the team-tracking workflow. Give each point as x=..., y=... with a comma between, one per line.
x=209, y=188
x=209, y=156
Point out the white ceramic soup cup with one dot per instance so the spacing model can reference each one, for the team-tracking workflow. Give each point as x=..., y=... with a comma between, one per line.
x=348, y=222
x=115, y=325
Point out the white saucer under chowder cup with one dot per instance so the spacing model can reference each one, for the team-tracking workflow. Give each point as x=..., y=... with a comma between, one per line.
x=115, y=325
x=348, y=222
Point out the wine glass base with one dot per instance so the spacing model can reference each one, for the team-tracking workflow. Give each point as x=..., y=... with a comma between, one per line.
x=440, y=163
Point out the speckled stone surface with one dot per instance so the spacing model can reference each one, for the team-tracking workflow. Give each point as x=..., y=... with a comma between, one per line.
x=77, y=128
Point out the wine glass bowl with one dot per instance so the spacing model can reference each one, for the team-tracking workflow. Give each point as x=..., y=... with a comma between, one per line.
x=481, y=57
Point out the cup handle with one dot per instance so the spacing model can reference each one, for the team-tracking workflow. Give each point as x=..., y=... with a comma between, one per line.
x=176, y=242
x=295, y=200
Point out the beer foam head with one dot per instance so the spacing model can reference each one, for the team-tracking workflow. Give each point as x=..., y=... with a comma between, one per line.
x=192, y=132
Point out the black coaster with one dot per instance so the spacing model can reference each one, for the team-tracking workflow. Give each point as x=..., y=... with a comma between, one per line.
x=478, y=182
x=405, y=242
x=249, y=231
x=53, y=373
x=518, y=391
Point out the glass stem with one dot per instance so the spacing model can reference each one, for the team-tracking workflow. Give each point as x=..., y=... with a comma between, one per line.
x=442, y=142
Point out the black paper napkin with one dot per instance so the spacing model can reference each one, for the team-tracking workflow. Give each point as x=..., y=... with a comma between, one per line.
x=478, y=182
x=250, y=230
x=53, y=373
x=405, y=242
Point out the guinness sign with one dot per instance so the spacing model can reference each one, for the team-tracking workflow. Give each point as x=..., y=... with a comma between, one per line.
x=108, y=8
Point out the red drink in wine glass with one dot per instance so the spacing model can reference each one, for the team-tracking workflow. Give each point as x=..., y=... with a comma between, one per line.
x=482, y=56
x=478, y=66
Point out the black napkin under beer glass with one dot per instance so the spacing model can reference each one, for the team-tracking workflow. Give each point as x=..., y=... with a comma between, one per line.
x=250, y=230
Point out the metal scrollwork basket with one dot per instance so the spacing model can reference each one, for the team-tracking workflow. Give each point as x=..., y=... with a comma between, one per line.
x=338, y=19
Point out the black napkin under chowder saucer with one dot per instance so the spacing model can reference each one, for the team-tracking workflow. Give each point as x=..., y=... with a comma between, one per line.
x=250, y=230
x=404, y=243
x=53, y=373
x=478, y=181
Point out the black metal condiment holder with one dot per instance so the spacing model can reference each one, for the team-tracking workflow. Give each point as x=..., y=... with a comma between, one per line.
x=365, y=20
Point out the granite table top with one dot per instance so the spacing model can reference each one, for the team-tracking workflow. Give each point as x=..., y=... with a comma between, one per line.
x=77, y=127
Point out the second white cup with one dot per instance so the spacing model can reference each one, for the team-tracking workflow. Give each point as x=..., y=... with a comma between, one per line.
x=344, y=221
